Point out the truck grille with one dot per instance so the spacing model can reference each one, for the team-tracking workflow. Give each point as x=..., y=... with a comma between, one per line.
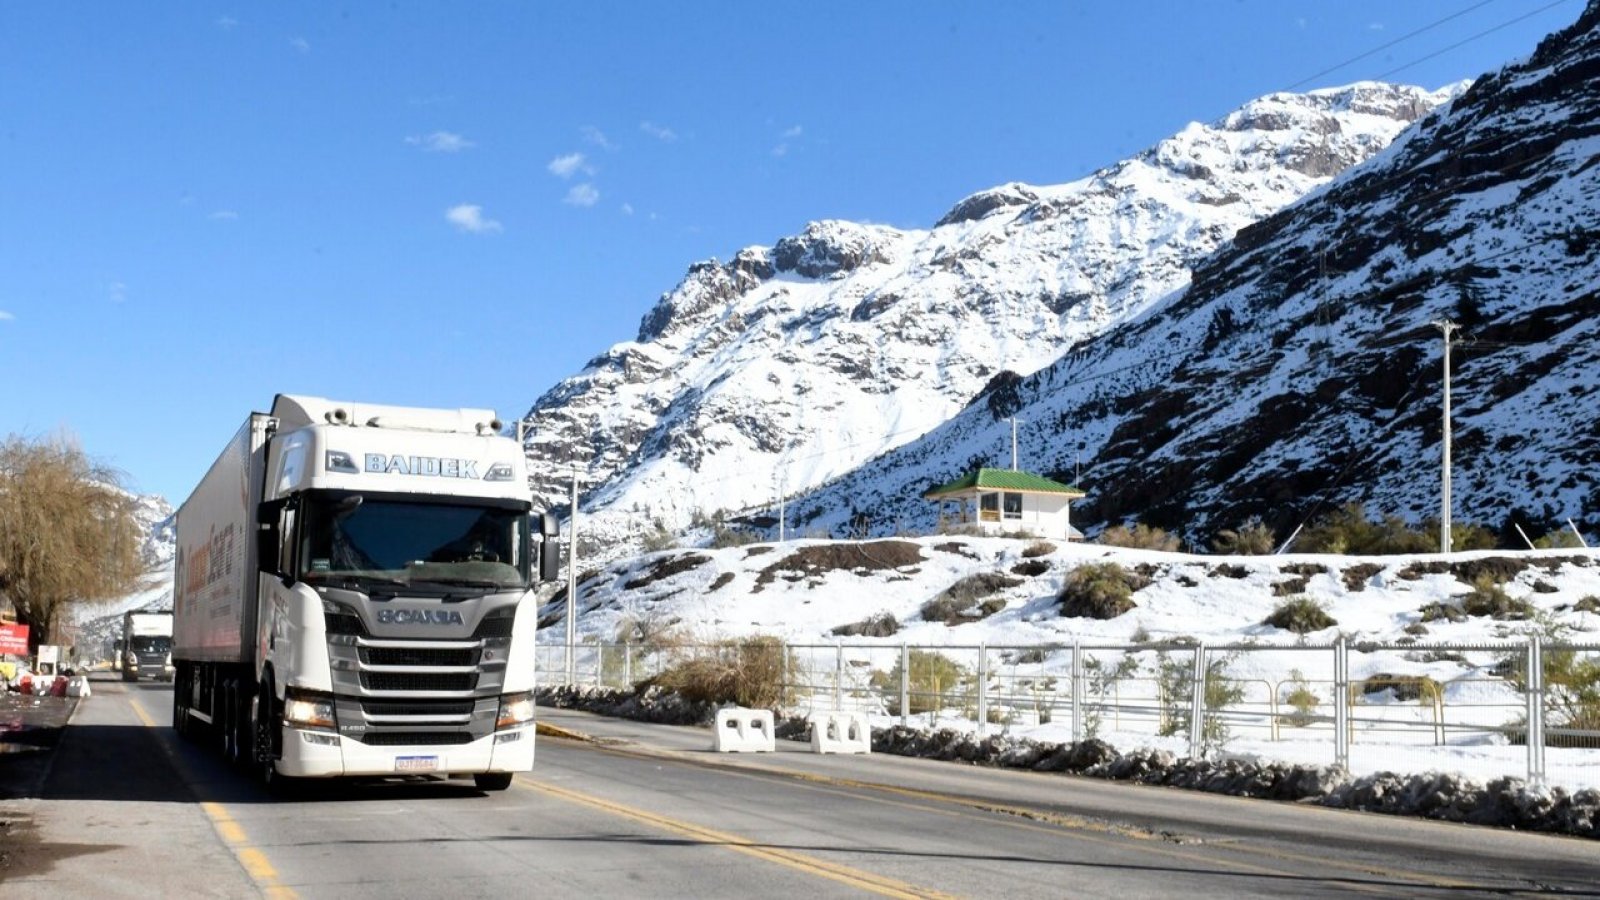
x=418, y=707
x=420, y=681
x=418, y=656
x=399, y=738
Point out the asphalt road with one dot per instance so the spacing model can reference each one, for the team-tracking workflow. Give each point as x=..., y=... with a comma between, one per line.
x=130, y=810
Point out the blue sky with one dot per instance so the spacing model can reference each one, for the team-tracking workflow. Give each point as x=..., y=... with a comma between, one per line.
x=203, y=205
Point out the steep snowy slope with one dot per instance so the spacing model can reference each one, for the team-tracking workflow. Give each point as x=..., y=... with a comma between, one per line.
x=792, y=364
x=1300, y=368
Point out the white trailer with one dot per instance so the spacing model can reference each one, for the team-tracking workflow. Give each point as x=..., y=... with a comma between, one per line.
x=354, y=595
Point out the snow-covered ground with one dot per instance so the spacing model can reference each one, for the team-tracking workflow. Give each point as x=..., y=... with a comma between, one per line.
x=1467, y=724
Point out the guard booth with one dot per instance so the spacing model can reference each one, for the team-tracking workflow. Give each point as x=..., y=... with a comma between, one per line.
x=1005, y=501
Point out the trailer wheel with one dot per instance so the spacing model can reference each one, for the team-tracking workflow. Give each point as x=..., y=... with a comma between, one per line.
x=492, y=781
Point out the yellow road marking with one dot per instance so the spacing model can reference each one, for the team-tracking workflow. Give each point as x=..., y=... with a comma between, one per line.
x=1082, y=827
x=856, y=878
x=255, y=862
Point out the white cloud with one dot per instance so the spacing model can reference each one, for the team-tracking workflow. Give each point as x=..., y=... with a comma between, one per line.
x=119, y=292
x=300, y=44
x=227, y=23
x=596, y=137
x=792, y=132
x=223, y=215
x=469, y=218
x=570, y=165
x=6, y=317
x=659, y=132
x=627, y=209
x=781, y=150
x=584, y=194
x=789, y=134
x=440, y=142
x=1375, y=26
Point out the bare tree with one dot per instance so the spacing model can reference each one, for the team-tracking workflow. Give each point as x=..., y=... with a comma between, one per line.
x=67, y=531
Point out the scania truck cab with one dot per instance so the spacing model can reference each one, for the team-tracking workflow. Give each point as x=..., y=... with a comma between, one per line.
x=355, y=595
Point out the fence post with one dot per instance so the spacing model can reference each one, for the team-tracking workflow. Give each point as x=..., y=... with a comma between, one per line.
x=1341, y=700
x=627, y=666
x=1535, y=711
x=905, y=686
x=838, y=675
x=1077, y=692
x=1197, y=704
x=983, y=693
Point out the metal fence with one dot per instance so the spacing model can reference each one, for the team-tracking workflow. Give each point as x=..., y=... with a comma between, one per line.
x=1528, y=709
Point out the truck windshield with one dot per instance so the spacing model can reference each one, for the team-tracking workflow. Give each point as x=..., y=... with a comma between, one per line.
x=140, y=643
x=405, y=543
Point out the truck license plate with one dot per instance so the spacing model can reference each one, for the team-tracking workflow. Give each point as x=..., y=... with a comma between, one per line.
x=416, y=763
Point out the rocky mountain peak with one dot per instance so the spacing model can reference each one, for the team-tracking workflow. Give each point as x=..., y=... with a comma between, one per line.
x=794, y=364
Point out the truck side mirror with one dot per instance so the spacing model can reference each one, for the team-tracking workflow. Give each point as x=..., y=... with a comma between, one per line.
x=549, y=558
x=267, y=543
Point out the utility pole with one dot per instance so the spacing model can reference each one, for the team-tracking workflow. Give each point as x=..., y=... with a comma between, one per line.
x=572, y=579
x=1014, y=421
x=1448, y=328
x=783, y=486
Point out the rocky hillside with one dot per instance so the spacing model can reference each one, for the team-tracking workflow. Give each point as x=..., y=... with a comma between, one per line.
x=792, y=364
x=1299, y=369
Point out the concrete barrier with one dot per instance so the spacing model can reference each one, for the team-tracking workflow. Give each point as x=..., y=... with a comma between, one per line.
x=840, y=732
x=78, y=686
x=740, y=730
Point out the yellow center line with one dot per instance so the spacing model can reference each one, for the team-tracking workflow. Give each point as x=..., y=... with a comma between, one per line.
x=255, y=863
x=856, y=878
x=1026, y=817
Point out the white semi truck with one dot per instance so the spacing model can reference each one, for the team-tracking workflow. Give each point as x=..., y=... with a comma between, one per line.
x=146, y=646
x=354, y=595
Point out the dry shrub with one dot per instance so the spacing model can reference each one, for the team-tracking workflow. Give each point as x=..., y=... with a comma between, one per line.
x=1356, y=577
x=1300, y=615
x=1030, y=568
x=881, y=625
x=952, y=604
x=1139, y=537
x=747, y=672
x=1488, y=598
x=1099, y=591
x=1253, y=538
x=1405, y=687
x=1037, y=549
x=955, y=547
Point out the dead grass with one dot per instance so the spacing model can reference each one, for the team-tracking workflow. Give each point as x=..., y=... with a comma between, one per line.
x=666, y=567
x=819, y=559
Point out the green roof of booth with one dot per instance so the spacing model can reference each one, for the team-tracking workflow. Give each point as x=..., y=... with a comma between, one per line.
x=1002, y=480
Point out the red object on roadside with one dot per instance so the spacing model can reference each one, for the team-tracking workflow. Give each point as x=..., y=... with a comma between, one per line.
x=25, y=684
x=58, y=688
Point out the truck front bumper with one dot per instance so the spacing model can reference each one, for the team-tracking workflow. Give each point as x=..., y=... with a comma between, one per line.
x=323, y=754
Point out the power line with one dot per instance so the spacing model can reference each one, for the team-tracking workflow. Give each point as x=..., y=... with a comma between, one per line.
x=1382, y=47
x=1465, y=41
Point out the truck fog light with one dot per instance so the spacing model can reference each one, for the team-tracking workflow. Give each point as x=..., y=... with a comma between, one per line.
x=508, y=737
x=325, y=740
x=515, y=709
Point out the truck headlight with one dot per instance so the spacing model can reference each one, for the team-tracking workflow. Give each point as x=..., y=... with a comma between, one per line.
x=309, y=712
x=515, y=709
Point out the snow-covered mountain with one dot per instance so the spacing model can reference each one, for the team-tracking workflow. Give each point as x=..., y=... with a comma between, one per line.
x=99, y=623
x=792, y=364
x=1299, y=368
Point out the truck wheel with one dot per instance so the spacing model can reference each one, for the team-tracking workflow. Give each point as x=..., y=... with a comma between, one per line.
x=492, y=781
x=267, y=733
